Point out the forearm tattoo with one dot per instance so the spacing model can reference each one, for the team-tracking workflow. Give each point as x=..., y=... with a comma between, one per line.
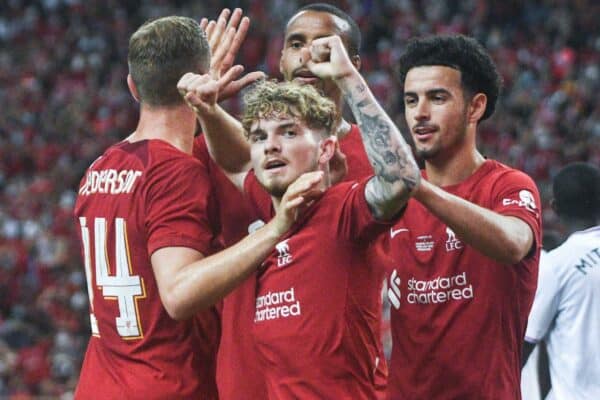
x=396, y=171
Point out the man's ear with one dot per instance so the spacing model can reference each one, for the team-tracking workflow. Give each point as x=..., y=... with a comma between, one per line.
x=132, y=88
x=281, y=61
x=327, y=149
x=477, y=107
x=356, y=61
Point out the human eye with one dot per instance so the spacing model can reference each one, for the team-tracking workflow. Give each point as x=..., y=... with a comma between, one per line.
x=289, y=134
x=439, y=98
x=257, y=137
x=296, y=44
x=410, y=100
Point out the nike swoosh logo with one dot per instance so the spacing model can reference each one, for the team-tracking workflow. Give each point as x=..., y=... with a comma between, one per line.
x=397, y=231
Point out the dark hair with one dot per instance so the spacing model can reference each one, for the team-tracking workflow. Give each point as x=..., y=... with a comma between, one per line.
x=576, y=190
x=353, y=36
x=477, y=69
x=160, y=52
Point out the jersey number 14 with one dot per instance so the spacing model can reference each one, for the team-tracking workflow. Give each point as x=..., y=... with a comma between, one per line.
x=123, y=286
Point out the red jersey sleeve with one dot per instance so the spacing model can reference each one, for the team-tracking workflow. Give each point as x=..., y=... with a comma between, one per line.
x=515, y=194
x=355, y=220
x=178, y=205
x=200, y=149
x=353, y=147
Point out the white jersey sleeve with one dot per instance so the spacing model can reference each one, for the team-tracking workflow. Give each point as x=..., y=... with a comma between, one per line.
x=546, y=302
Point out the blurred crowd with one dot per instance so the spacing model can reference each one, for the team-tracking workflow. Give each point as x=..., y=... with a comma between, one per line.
x=64, y=99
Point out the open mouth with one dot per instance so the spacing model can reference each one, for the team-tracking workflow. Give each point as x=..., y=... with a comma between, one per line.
x=305, y=76
x=273, y=164
x=424, y=132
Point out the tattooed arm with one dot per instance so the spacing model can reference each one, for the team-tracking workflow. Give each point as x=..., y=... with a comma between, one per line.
x=396, y=171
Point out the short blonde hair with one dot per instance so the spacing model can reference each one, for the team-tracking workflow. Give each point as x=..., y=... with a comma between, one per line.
x=270, y=99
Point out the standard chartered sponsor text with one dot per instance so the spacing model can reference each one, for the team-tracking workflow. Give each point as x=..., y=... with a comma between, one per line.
x=439, y=290
x=274, y=305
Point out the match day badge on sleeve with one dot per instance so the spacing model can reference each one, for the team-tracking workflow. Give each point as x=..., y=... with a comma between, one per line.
x=525, y=200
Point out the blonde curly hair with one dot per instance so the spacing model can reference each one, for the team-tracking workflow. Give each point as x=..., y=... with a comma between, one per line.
x=270, y=99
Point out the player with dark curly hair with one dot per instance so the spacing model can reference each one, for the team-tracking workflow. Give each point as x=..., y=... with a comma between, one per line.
x=478, y=71
x=462, y=261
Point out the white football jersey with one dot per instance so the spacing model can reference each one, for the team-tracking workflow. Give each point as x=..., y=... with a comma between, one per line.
x=566, y=315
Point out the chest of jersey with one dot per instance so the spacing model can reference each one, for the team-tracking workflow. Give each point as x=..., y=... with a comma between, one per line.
x=315, y=290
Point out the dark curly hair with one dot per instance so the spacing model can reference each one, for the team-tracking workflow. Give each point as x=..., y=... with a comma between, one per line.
x=576, y=190
x=477, y=69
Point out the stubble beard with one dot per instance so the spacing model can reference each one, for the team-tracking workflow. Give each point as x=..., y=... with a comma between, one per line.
x=275, y=189
x=278, y=187
x=435, y=150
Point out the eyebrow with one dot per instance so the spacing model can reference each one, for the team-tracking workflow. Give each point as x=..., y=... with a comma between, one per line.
x=285, y=125
x=295, y=36
x=302, y=37
x=255, y=132
x=429, y=92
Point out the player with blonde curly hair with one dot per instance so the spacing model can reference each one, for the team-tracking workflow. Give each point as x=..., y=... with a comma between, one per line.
x=308, y=345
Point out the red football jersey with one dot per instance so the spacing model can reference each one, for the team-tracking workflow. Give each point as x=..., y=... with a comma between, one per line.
x=318, y=305
x=458, y=318
x=238, y=376
x=359, y=166
x=134, y=199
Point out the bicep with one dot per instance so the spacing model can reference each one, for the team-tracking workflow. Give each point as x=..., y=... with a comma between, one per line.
x=522, y=232
x=168, y=265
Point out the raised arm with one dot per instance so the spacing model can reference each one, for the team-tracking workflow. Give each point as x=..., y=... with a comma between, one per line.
x=396, y=171
x=224, y=135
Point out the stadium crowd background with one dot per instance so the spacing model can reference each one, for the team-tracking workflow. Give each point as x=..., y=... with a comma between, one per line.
x=64, y=99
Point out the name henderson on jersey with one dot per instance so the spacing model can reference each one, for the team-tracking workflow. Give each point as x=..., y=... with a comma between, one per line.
x=109, y=181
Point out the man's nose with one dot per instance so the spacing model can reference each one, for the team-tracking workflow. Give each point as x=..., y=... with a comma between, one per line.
x=304, y=55
x=422, y=111
x=272, y=144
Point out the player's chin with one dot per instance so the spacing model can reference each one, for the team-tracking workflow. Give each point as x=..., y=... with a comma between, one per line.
x=426, y=153
x=277, y=190
x=275, y=187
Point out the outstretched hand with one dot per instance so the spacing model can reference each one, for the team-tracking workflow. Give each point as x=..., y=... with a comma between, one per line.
x=298, y=197
x=201, y=92
x=225, y=37
x=329, y=58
